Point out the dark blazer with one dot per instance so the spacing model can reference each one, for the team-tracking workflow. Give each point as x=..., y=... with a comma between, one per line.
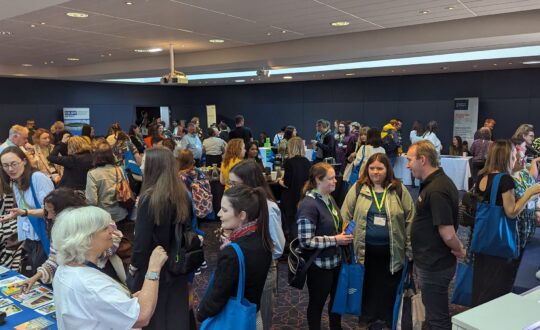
x=76, y=166
x=257, y=262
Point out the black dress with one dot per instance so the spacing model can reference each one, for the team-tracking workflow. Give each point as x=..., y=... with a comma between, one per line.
x=172, y=309
x=492, y=276
x=296, y=175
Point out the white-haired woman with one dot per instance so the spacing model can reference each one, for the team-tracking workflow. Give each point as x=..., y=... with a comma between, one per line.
x=85, y=297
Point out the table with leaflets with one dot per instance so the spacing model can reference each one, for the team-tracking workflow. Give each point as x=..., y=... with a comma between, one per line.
x=456, y=167
x=32, y=310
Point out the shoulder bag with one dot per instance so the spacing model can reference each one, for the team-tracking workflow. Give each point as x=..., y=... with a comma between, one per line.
x=238, y=313
x=494, y=233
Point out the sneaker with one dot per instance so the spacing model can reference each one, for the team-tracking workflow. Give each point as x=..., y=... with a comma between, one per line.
x=204, y=265
x=198, y=271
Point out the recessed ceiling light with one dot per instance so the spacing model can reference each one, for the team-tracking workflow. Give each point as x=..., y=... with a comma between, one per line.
x=268, y=33
x=284, y=31
x=129, y=3
x=102, y=55
x=45, y=63
x=42, y=23
x=423, y=12
x=150, y=50
x=444, y=68
x=77, y=15
x=287, y=77
x=450, y=8
x=52, y=62
x=5, y=33
x=240, y=80
x=531, y=62
x=494, y=64
x=109, y=54
x=340, y=23
x=32, y=25
x=350, y=74
x=510, y=63
x=72, y=59
x=26, y=64
x=216, y=41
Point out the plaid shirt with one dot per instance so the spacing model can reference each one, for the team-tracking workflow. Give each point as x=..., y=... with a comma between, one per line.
x=308, y=240
x=526, y=223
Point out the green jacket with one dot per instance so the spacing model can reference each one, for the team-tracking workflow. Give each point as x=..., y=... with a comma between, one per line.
x=399, y=211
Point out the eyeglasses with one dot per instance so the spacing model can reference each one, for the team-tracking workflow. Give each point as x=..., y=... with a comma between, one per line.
x=13, y=165
x=232, y=183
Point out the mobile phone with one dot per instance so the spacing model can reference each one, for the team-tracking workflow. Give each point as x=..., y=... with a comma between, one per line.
x=350, y=227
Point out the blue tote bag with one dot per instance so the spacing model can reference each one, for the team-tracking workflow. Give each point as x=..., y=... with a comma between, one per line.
x=356, y=170
x=462, y=294
x=494, y=233
x=39, y=224
x=238, y=313
x=348, y=299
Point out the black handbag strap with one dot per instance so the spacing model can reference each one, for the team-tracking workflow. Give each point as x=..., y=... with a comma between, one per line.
x=312, y=258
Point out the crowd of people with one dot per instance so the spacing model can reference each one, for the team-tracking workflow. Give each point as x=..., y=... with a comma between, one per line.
x=72, y=205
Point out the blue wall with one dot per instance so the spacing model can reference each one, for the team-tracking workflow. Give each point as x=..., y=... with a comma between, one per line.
x=510, y=96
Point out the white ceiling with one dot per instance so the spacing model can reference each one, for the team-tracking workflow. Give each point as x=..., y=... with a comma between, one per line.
x=257, y=33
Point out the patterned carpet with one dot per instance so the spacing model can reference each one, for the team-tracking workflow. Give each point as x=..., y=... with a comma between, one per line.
x=290, y=304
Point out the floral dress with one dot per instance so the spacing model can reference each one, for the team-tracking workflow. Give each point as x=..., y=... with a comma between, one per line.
x=526, y=218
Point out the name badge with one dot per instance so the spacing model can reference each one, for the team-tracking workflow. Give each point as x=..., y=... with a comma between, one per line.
x=379, y=220
x=531, y=205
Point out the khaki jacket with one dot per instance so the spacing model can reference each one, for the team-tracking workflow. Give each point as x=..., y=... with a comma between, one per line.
x=399, y=211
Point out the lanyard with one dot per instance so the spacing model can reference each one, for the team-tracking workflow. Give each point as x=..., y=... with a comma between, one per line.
x=379, y=206
x=91, y=265
x=334, y=213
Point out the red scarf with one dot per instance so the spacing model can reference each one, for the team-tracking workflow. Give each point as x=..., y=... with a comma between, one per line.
x=244, y=230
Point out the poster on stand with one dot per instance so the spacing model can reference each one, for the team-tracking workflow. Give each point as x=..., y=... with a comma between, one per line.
x=211, y=117
x=465, y=118
x=75, y=119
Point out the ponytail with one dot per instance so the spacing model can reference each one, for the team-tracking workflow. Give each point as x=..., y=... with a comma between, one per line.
x=253, y=201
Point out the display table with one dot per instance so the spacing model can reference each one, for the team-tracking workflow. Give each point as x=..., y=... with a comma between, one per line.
x=530, y=263
x=24, y=313
x=508, y=312
x=457, y=168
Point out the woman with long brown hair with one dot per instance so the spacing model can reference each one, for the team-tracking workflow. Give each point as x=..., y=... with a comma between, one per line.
x=493, y=276
x=319, y=228
x=244, y=214
x=234, y=153
x=383, y=210
x=164, y=202
x=29, y=189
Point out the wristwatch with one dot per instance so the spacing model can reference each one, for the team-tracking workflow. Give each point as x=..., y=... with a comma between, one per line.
x=25, y=214
x=152, y=276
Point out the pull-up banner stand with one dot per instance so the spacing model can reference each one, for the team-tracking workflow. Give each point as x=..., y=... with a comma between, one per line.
x=466, y=118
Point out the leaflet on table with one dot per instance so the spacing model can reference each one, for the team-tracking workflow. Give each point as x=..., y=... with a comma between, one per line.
x=16, y=287
x=10, y=309
x=4, y=270
x=46, y=309
x=39, y=323
x=38, y=301
x=21, y=296
x=10, y=280
x=5, y=301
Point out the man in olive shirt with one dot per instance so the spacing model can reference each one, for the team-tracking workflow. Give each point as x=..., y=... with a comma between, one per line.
x=433, y=236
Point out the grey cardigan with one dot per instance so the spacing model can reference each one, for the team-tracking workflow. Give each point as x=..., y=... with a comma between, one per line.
x=101, y=191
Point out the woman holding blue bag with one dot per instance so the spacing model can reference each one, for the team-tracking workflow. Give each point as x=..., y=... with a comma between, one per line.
x=383, y=210
x=234, y=294
x=493, y=275
x=319, y=231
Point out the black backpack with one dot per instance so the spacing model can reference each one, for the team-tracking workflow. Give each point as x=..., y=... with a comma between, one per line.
x=186, y=252
x=389, y=144
x=467, y=208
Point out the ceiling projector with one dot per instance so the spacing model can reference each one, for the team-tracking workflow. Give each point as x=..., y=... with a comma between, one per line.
x=173, y=77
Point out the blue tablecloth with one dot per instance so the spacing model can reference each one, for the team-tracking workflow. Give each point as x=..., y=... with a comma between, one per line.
x=27, y=314
x=530, y=263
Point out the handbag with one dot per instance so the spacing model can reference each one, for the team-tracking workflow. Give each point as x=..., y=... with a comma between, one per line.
x=356, y=170
x=409, y=311
x=298, y=265
x=462, y=294
x=348, y=298
x=494, y=233
x=39, y=224
x=124, y=195
x=239, y=313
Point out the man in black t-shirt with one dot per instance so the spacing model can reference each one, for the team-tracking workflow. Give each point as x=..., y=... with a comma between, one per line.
x=433, y=236
x=241, y=132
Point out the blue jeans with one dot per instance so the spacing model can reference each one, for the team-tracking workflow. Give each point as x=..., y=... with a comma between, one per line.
x=434, y=287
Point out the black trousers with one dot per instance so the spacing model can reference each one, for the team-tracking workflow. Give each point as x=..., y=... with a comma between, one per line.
x=321, y=283
x=213, y=159
x=492, y=277
x=380, y=285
